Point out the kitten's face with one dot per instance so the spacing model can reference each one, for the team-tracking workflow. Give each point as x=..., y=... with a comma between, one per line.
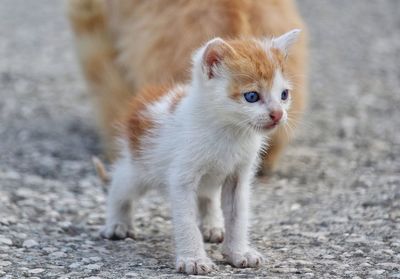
x=248, y=80
x=258, y=94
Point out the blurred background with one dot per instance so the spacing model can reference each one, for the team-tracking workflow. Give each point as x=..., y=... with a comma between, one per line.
x=332, y=209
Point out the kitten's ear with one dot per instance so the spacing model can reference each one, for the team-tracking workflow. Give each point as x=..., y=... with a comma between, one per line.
x=214, y=53
x=284, y=42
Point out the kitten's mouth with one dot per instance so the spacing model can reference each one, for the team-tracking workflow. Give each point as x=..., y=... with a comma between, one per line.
x=270, y=125
x=266, y=127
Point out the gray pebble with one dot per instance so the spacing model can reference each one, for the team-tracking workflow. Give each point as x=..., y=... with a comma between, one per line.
x=36, y=270
x=57, y=255
x=95, y=266
x=377, y=272
x=5, y=241
x=5, y=263
x=29, y=243
x=131, y=275
x=95, y=259
x=75, y=265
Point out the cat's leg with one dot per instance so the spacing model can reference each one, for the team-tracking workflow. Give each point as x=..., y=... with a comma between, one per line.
x=235, y=205
x=212, y=222
x=124, y=192
x=276, y=146
x=191, y=257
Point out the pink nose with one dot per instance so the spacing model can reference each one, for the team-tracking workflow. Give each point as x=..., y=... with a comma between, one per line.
x=276, y=115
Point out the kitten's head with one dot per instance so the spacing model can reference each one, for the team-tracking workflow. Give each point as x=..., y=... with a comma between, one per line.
x=246, y=80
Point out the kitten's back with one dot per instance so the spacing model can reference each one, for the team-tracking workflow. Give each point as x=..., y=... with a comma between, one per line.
x=147, y=111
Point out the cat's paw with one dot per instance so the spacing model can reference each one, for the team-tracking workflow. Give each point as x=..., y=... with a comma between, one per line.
x=117, y=231
x=250, y=258
x=196, y=266
x=213, y=234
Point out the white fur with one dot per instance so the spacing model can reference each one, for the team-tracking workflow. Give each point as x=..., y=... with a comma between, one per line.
x=205, y=151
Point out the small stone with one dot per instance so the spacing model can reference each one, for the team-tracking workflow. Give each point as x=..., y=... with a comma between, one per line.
x=285, y=270
x=388, y=252
x=377, y=272
x=358, y=253
x=5, y=241
x=365, y=265
x=93, y=266
x=347, y=254
x=29, y=243
x=74, y=265
x=356, y=240
x=302, y=262
x=5, y=263
x=309, y=275
x=131, y=275
x=58, y=255
x=36, y=270
x=49, y=249
x=2, y=273
x=396, y=275
x=95, y=259
x=21, y=235
x=295, y=206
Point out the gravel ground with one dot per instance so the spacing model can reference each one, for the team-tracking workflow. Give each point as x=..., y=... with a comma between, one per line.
x=332, y=209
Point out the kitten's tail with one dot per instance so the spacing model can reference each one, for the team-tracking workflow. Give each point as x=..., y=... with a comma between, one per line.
x=97, y=54
x=101, y=172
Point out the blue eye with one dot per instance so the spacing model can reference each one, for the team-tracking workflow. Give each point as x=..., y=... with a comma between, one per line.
x=285, y=95
x=251, y=97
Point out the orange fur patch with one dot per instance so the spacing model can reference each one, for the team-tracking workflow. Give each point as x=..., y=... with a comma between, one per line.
x=136, y=123
x=176, y=98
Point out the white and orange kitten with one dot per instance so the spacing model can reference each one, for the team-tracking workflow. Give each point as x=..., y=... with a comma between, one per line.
x=201, y=142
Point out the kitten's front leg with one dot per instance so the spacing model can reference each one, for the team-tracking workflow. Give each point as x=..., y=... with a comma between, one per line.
x=235, y=206
x=191, y=256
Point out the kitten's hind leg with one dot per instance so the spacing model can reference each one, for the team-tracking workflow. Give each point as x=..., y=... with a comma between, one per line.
x=125, y=191
x=212, y=222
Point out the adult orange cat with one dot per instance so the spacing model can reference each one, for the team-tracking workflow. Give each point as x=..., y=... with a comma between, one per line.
x=127, y=44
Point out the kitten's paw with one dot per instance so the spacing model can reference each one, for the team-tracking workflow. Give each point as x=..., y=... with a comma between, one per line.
x=213, y=234
x=250, y=258
x=117, y=231
x=196, y=266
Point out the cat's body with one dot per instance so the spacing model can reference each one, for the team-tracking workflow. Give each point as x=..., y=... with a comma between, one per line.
x=128, y=44
x=200, y=142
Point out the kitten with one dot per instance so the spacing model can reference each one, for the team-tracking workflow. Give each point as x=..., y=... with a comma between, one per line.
x=200, y=142
x=125, y=45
